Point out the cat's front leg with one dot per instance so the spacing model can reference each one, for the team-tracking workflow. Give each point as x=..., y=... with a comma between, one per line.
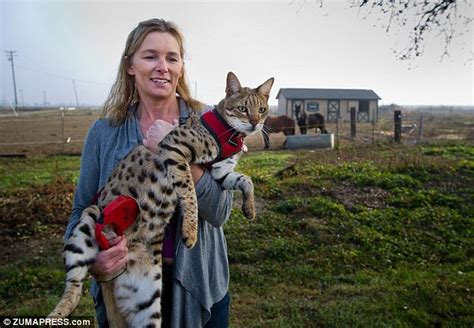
x=242, y=182
x=223, y=172
x=222, y=169
x=183, y=182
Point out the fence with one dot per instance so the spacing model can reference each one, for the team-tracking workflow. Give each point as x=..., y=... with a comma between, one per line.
x=63, y=131
x=46, y=132
x=407, y=127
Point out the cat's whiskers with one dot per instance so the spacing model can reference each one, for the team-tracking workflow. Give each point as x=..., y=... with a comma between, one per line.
x=266, y=130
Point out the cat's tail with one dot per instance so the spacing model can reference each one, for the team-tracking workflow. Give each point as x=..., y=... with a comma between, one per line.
x=80, y=251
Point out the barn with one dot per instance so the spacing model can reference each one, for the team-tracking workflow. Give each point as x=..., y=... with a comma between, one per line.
x=331, y=103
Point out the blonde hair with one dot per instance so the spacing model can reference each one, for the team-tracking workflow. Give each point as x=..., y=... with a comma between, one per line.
x=124, y=93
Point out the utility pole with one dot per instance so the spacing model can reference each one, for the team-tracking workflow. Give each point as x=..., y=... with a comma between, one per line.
x=44, y=99
x=10, y=55
x=75, y=93
x=22, y=98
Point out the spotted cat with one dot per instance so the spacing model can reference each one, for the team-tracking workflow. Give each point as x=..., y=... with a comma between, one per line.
x=158, y=181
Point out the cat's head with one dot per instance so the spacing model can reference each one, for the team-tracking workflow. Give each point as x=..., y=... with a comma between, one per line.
x=245, y=109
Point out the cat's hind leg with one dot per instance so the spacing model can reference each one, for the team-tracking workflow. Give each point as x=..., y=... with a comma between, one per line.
x=138, y=290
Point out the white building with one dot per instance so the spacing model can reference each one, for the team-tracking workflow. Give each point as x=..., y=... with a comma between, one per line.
x=331, y=103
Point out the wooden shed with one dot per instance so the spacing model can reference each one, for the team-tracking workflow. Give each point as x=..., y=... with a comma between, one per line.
x=331, y=103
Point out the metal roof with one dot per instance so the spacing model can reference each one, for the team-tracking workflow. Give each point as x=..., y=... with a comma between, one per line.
x=348, y=94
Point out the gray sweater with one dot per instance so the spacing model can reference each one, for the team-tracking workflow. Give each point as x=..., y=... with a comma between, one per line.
x=201, y=275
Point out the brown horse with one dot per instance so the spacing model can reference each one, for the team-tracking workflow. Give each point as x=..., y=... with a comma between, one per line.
x=276, y=124
x=311, y=121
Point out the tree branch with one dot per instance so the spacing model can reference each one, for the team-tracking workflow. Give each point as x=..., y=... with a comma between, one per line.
x=440, y=15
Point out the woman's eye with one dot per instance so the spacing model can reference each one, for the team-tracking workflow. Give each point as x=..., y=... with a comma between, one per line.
x=149, y=57
x=243, y=109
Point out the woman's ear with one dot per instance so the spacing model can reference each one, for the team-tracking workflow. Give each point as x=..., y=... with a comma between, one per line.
x=182, y=71
x=128, y=66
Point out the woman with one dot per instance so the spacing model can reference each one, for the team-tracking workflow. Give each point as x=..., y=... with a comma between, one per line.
x=149, y=96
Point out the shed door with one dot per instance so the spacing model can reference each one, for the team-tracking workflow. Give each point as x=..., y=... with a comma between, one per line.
x=363, y=115
x=333, y=110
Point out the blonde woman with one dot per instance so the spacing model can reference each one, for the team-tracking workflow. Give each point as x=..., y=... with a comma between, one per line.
x=149, y=97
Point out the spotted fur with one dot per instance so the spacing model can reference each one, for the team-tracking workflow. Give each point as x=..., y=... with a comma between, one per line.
x=158, y=181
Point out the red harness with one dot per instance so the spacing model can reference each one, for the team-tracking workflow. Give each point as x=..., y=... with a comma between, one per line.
x=229, y=141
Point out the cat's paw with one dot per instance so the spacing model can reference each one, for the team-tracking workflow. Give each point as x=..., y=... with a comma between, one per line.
x=189, y=235
x=189, y=241
x=248, y=207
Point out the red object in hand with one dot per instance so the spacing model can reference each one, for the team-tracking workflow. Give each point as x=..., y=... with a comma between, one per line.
x=120, y=213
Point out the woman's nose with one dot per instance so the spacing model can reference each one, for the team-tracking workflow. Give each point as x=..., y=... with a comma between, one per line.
x=161, y=66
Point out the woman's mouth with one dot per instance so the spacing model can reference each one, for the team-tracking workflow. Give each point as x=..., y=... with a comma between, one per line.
x=159, y=81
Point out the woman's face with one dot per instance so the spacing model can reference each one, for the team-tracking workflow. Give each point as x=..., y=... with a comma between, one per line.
x=157, y=66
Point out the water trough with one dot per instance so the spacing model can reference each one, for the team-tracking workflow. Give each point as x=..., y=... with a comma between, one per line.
x=310, y=141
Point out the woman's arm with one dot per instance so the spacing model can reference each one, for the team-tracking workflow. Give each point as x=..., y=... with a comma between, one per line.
x=88, y=183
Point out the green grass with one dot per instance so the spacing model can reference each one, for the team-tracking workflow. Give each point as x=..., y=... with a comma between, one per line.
x=38, y=282
x=21, y=173
x=317, y=256
x=374, y=236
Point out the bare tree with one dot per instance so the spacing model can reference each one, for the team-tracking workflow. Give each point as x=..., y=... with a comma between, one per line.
x=423, y=17
x=420, y=17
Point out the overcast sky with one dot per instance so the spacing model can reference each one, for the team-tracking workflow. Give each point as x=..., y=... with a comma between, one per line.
x=295, y=41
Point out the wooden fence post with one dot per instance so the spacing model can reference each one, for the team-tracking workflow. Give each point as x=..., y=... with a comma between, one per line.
x=397, y=116
x=373, y=131
x=62, y=132
x=420, y=129
x=353, y=122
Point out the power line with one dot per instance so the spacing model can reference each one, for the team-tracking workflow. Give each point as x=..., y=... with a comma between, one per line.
x=10, y=55
x=61, y=76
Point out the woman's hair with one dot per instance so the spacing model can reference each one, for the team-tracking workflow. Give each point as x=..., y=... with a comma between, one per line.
x=124, y=93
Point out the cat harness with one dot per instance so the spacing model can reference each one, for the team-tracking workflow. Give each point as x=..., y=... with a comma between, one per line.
x=229, y=141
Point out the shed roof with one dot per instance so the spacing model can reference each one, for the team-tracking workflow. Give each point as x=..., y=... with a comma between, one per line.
x=348, y=94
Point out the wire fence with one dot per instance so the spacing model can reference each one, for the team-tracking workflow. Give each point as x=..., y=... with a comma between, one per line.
x=414, y=127
x=62, y=131
x=48, y=132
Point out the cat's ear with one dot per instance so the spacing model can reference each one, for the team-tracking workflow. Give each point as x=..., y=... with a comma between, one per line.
x=233, y=84
x=265, y=88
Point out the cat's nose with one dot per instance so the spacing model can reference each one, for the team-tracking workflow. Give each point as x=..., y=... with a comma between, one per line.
x=254, y=124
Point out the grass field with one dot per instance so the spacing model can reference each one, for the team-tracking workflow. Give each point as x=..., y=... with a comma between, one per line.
x=370, y=235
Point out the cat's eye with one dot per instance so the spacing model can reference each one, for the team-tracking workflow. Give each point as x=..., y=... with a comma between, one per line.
x=262, y=110
x=243, y=109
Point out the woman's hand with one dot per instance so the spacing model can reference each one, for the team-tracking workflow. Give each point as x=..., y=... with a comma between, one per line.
x=111, y=260
x=157, y=132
